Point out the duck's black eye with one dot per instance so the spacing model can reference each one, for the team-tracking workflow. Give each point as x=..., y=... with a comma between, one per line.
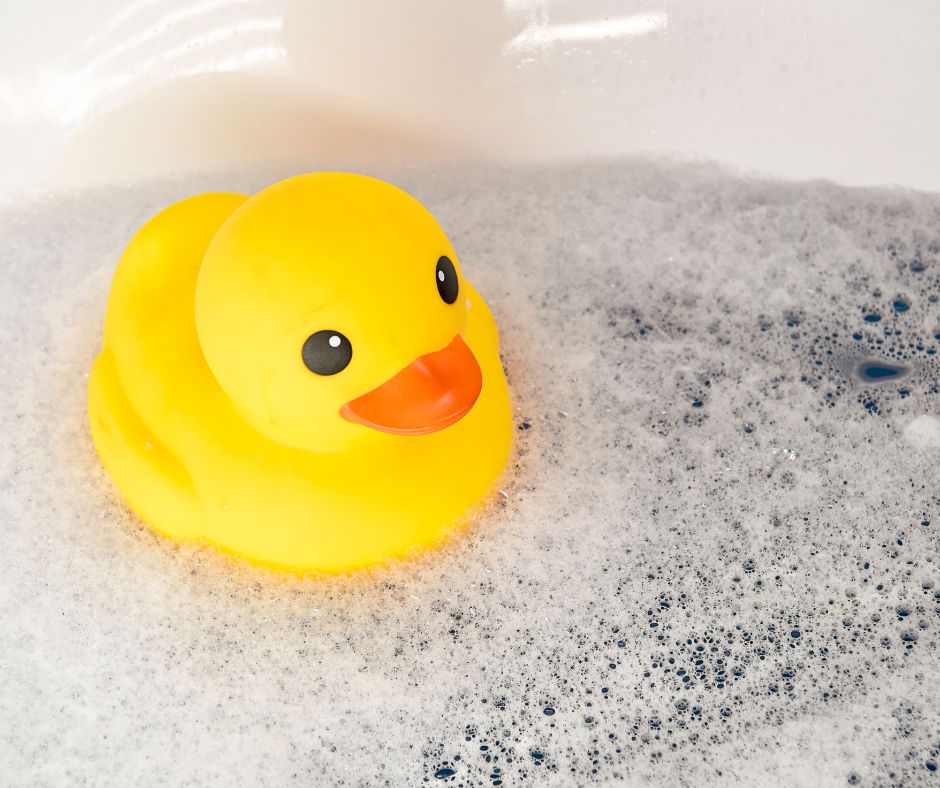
x=446, y=277
x=327, y=352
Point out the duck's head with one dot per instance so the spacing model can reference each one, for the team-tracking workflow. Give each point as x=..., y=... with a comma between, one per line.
x=330, y=308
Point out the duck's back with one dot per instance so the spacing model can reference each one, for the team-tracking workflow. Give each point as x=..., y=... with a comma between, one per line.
x=150, y=388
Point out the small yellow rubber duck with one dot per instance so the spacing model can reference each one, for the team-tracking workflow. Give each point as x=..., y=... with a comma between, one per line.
x=302, y=377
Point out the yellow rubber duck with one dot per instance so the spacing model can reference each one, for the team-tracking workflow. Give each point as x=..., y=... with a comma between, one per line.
x=302, y=377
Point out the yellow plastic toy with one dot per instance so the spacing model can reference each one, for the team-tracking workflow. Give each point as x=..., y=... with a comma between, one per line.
x=302, y=377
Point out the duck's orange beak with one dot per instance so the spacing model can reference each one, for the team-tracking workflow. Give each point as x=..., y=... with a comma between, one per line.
x=431, y=393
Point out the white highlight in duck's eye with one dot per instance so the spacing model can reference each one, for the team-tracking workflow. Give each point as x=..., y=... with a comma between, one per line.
x=440, y=276
x=335, y=341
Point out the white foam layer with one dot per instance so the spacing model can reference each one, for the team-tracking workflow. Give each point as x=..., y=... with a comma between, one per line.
x=715, y=556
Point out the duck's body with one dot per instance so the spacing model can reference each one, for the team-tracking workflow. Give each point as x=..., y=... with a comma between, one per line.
x=197, y=409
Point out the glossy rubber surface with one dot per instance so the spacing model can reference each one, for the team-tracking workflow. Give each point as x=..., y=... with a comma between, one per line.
x=214, y=428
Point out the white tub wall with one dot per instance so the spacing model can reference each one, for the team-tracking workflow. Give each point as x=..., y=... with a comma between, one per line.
x=105, y=90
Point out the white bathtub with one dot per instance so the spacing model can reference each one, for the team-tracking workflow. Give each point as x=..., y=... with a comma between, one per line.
x=107, y=90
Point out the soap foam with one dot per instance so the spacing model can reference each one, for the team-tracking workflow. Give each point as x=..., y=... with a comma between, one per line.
x=713, y=560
